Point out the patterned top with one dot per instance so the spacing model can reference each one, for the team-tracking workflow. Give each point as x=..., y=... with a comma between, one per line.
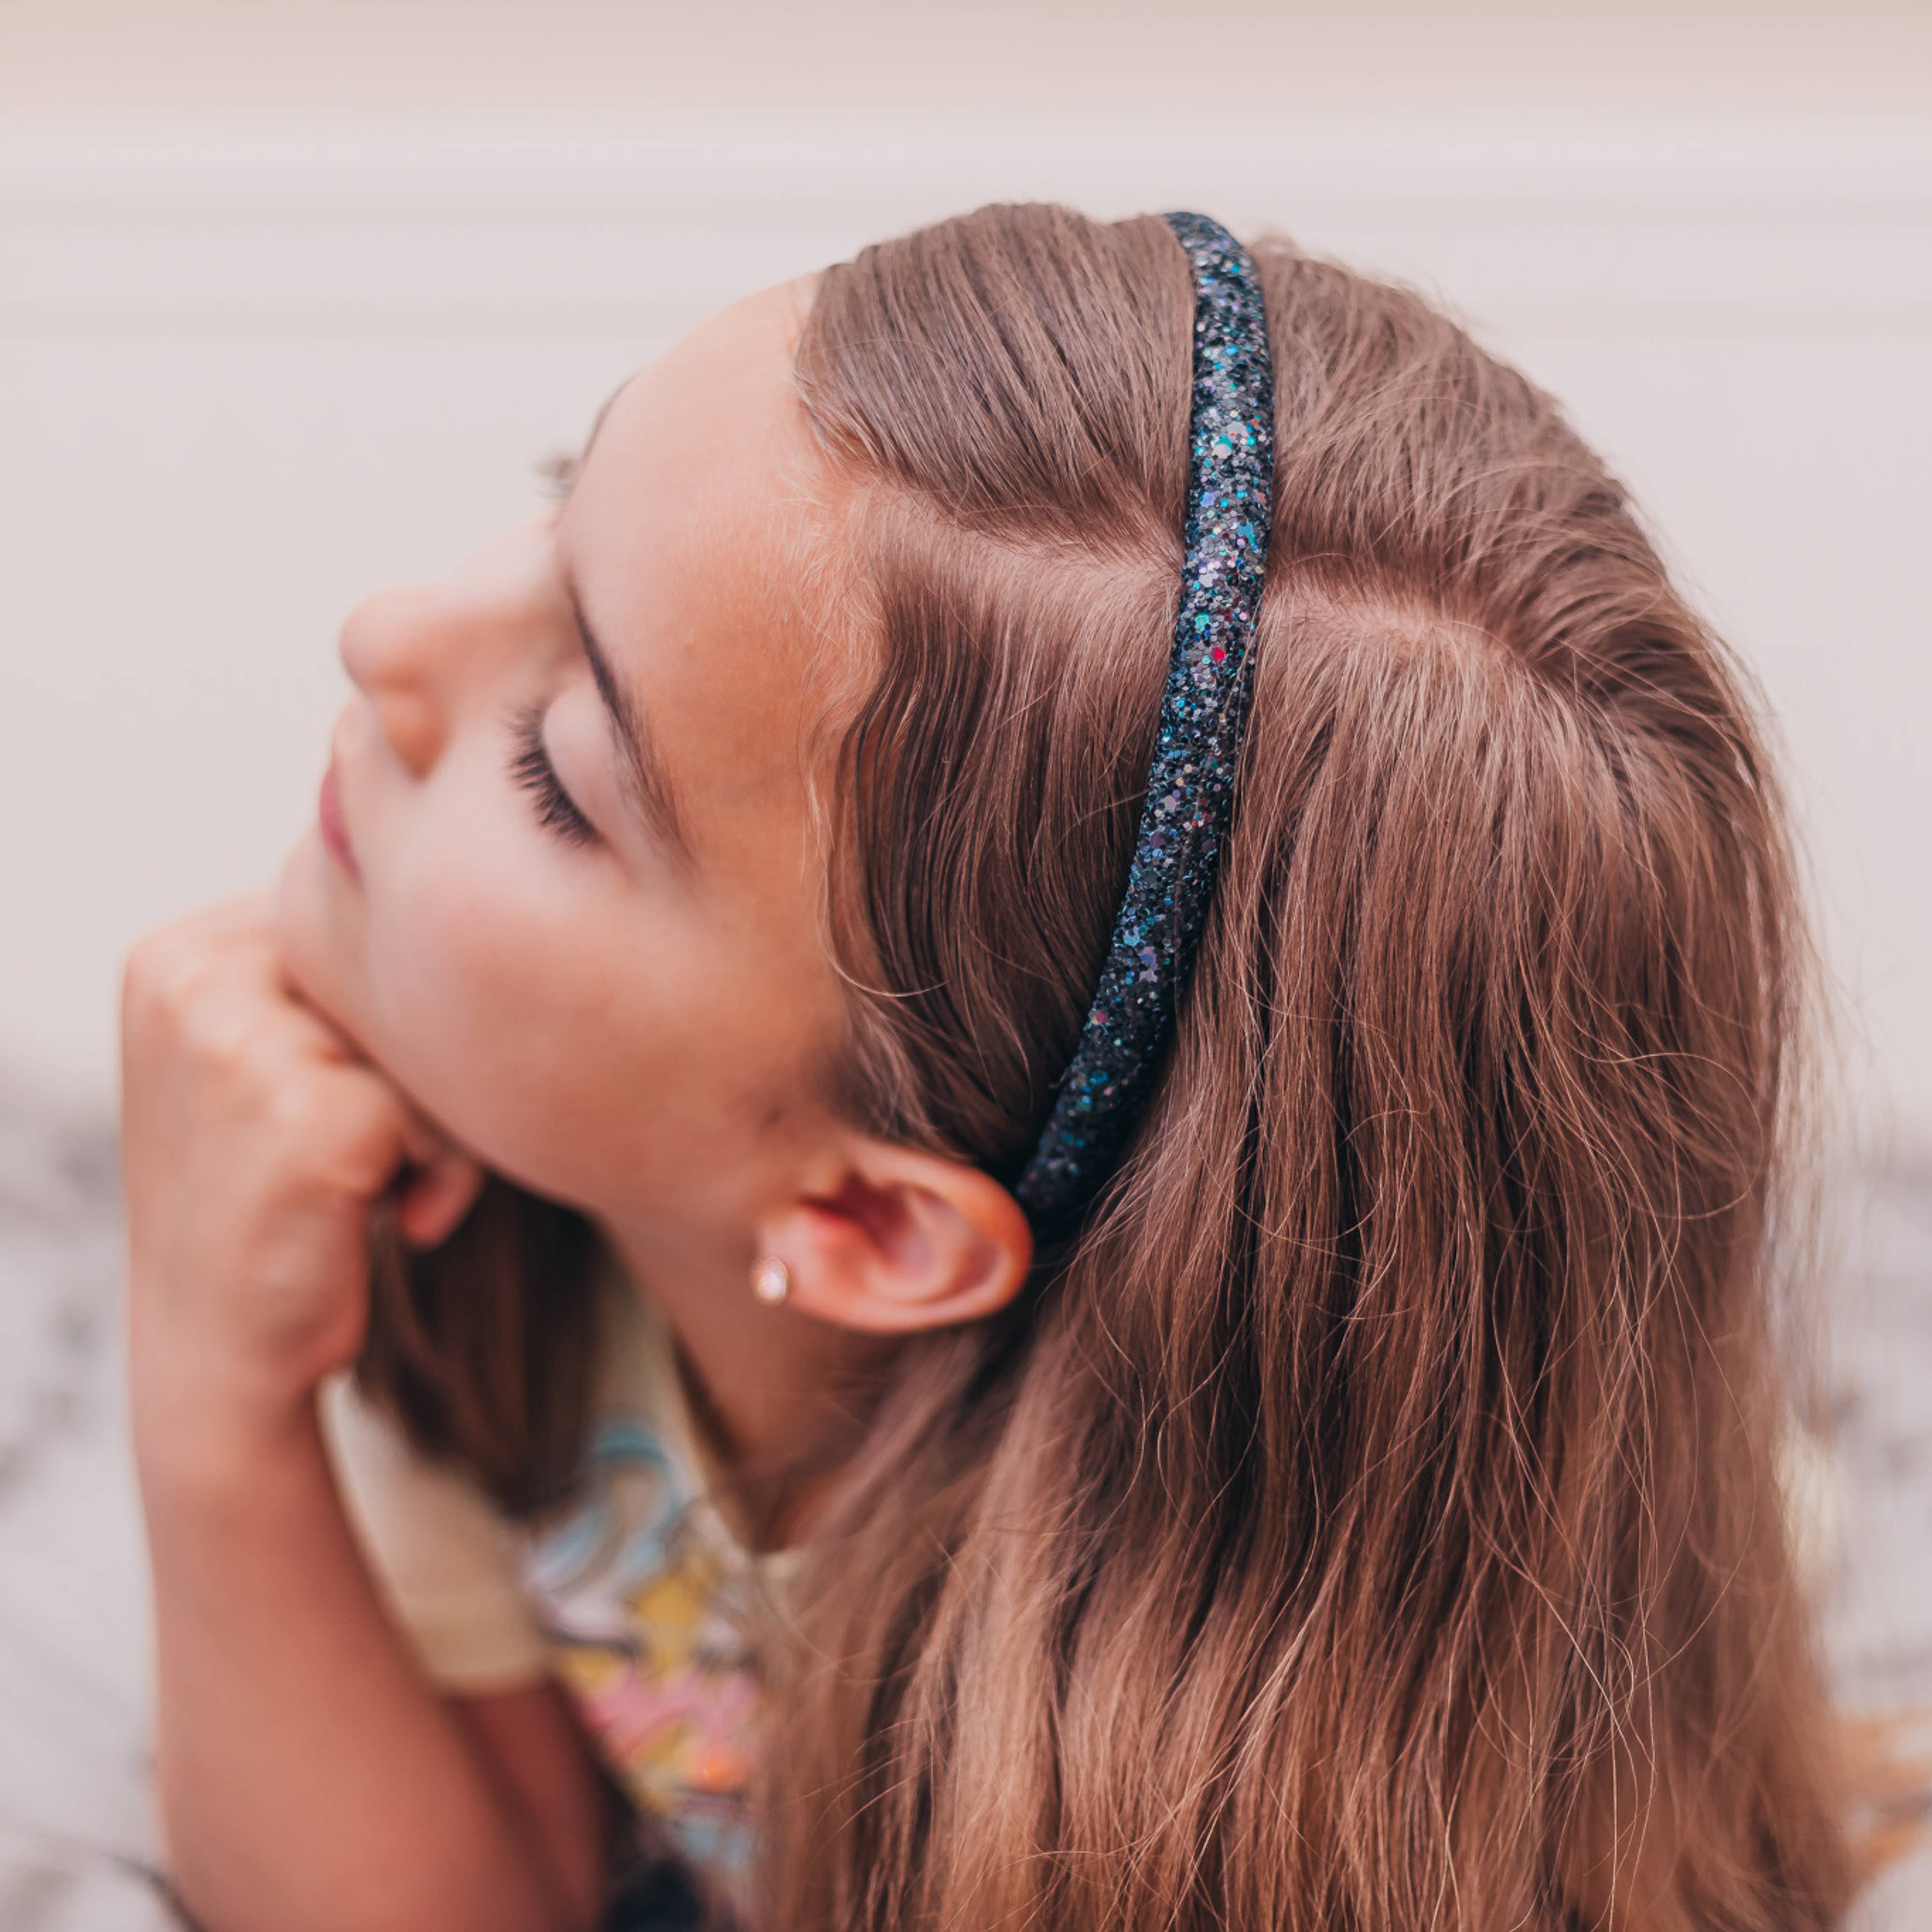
x=634, y=1594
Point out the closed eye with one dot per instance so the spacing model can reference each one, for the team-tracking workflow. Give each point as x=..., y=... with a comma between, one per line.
x=530, y=767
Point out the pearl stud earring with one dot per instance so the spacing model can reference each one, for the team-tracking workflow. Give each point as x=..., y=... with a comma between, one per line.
x=771, y=1280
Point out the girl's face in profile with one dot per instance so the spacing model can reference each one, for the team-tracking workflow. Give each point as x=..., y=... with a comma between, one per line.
x=566, y=887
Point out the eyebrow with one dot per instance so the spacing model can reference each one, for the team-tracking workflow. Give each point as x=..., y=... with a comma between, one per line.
x=561, y=471
x=646, y=779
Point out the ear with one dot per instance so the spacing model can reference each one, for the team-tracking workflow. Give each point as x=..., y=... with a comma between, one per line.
x=901, y=1241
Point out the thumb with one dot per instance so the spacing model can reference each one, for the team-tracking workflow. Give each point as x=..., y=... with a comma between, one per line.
x=438, y=1193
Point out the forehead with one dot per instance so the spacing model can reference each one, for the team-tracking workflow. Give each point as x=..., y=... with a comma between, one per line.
x=698, y=534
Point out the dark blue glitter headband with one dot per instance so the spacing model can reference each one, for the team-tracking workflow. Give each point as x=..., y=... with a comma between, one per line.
x=1190, y=793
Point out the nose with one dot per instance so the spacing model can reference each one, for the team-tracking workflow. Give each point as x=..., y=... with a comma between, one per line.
x=397, y=647
x=427, y=655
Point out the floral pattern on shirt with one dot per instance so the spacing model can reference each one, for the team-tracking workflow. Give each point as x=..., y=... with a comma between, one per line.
x=645, y=1610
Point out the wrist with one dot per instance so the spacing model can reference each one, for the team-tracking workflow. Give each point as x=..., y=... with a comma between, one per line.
x=214, y=1428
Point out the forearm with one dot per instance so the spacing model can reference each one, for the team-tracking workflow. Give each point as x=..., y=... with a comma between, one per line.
x=310, y=1782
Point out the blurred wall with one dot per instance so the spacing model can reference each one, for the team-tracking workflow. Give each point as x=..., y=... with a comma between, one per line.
x=292, y=298
x=496, y=58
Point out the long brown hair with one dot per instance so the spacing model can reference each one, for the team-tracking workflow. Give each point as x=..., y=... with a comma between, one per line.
x=1369, y=1520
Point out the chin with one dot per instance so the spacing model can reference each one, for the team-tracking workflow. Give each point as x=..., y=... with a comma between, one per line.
x=319, y=919
x=309, y=924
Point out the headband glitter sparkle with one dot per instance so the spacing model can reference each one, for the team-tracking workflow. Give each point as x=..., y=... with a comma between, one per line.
x=1190, y=795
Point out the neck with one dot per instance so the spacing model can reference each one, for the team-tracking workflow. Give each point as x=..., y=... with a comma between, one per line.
x=772, y=1381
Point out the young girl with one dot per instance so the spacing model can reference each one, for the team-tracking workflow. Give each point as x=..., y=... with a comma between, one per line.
x=898, y=1393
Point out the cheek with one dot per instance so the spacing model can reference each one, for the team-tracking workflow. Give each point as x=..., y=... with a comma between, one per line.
x=490, y=1021
x=530, y=1004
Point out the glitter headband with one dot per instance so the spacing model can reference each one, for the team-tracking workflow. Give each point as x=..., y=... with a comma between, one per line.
x=1190, y=793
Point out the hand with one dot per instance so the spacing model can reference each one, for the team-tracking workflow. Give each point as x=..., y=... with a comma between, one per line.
x=256, y=1142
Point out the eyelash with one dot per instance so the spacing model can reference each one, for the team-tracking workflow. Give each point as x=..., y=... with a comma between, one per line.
x=556, y=474
x=557, y=811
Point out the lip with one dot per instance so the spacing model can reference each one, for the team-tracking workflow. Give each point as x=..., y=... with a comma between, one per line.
x=334, y=829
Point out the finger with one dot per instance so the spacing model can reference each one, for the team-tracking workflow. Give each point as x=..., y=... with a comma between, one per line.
x=249, y=915
x=442, y=1182
x=436, y=1197
x=423, y=1143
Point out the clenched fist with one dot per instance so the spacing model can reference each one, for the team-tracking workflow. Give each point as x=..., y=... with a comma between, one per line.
x=256, y=1143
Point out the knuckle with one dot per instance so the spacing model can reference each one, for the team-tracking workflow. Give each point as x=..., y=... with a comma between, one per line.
x=211, y=1033
x=337, y=1140
x=363, y=1127
x=164, y=974
x=296, y=1112
x=145, y=973
x=309, y=1108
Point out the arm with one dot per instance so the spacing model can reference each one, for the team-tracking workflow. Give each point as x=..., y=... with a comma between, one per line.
x=530, y=1742
x=308, y=1777
x=310, y=1781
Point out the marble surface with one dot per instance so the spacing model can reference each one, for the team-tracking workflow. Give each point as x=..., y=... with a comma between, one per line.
x=76, y=1842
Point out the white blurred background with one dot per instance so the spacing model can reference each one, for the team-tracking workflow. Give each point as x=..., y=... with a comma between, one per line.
x=292, y=296
x=295, y=293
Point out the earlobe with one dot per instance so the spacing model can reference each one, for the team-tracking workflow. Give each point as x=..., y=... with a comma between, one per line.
x=901, y=1241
